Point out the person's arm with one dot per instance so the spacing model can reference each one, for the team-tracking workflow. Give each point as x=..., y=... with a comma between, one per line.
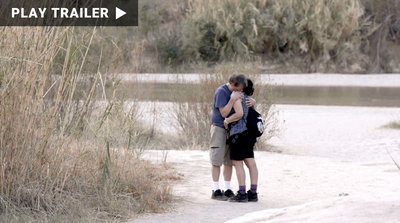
x=237, y=115
x=228, y=107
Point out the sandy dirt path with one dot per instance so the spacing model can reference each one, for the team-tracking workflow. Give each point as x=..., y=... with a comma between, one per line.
x=325, y=151
x=285, y=180
x=368, y=208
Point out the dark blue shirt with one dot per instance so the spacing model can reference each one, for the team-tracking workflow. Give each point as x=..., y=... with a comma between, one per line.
x=221, y=98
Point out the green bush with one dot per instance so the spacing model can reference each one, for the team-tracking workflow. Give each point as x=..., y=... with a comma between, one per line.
x=237, y=30
x=168, y=42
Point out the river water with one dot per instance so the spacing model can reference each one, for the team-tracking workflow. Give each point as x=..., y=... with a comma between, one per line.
x=305, y=89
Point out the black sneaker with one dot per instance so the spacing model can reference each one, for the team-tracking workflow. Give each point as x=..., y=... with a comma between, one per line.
x=229, y=193
x=252, y=197
x=218, y=195
x=239, y=198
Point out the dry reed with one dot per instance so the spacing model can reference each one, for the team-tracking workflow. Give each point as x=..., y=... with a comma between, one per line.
x=57, y=159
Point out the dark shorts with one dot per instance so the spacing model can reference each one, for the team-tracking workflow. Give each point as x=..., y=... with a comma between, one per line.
x=241, y=146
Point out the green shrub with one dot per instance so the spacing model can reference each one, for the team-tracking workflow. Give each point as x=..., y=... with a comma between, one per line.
x=168, y=45
x=239, y=29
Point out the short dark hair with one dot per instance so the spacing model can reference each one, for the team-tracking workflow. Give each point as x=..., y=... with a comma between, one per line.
x=238, y=80
x=249, y=89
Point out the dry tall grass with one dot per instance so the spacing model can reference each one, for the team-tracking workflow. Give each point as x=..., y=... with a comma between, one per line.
x=58, y=159
x=392, y=125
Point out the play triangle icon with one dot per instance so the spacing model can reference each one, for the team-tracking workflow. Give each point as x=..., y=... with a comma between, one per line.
x=119, y=13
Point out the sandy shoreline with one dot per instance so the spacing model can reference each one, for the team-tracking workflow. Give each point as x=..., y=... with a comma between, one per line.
x=336, y=132
x=339, y=132
x=370, y=80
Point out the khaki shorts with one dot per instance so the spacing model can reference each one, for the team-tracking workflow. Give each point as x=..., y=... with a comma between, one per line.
x=219, y=150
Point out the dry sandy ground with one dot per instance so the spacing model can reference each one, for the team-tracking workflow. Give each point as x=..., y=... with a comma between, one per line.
x=325, y=152
x=285, y=180
x=364, y=208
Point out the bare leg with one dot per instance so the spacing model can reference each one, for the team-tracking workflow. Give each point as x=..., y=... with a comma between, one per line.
x=215, y=171
x=227, y=172
x=251, y=164
x=240, y=174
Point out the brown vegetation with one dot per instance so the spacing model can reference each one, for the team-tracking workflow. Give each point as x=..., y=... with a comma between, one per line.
x=59, y=156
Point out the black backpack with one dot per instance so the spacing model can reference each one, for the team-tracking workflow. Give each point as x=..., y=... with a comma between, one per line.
x=255, y=123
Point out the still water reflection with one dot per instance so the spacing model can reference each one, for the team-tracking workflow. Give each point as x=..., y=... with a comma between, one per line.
x=349, y=96
x=299, y=95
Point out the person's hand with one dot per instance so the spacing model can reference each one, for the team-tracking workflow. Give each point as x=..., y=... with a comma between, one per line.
x=237, y=95
x=226, y=124
x=250, y=102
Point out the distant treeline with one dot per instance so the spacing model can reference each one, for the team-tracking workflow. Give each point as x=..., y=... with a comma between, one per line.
x=329, y=32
